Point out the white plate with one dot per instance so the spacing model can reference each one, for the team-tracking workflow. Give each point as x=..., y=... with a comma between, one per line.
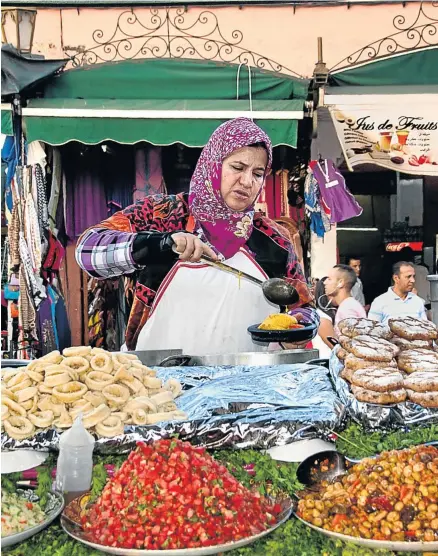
x=22, y=460
x=396, y=546
x=55, y=505
x=77, y=534
x=300, y=450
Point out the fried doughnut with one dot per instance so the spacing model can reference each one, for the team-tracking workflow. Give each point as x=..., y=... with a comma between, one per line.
x=96, y=380
x=8, y=393
x=153, y=392
x=136, y=373
x=174, y=386
x=42, y=419
x=77, y=363
x=139, y=417
x=146, y=371
x=122, y=373
x=5, y=412
x=35, y=365
x=45, y=403
x=369, y=396
x=27, y=405
x=148, y=405
x=18, y=427
x=110, y=427
x=96, y=416
x=411, y=328
x=116, y=394
x=163, y=397
x=152, y=382
x=35, y=376
x=14, y=407
x=378, y=380
x=7, y=373
x=57, y=379
x=341, y=354
x=70, y=392
x=134, y=385
x=122, y=415
x=86, y=407
x=102, y=362
x=64, y=421
x=52, y=357
x=34, y=406
x=96, y=351
x=57, y=408
x=27, y=394
x=44, y=389
x=95, y=398
x=169, y=406
x=17, y=378
x=425, y=399
x=18, y=387
x=422, y=381
x=152, y=419
x=78, y=351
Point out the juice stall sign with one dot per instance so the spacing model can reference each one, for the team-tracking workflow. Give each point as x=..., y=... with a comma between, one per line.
x=404, y=140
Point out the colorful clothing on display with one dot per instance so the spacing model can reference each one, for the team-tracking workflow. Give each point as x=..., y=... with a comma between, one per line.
x=334, y=191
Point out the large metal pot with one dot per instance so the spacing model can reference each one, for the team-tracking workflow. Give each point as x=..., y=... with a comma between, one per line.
x=252, y=358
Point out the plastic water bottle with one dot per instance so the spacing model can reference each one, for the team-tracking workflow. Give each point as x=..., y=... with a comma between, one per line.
x=75, y=461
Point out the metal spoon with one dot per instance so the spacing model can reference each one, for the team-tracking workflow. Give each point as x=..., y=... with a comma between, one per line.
x=275, y=290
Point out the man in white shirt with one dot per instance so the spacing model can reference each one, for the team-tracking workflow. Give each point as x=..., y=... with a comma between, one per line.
x=338, y=285
x=357, y=290
x=399, y=301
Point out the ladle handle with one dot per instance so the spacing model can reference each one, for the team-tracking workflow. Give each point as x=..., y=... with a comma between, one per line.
x=230, y=270
x=225, y=268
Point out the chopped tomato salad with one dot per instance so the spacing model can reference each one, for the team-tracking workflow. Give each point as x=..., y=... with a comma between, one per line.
x=170, y=495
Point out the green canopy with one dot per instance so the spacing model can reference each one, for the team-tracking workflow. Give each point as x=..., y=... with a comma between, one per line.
x=411, y=68
x=163, y=102
x=7, y=128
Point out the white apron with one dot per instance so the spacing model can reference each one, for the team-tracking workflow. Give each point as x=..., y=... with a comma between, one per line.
x=202, y=310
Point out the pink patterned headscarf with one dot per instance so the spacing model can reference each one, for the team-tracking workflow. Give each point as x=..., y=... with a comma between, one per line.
x=215, y=223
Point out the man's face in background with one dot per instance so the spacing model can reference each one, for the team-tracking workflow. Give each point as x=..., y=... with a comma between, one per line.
x=356, y=266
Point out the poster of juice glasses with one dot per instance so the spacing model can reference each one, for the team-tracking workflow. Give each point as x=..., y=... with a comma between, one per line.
x=397, y=138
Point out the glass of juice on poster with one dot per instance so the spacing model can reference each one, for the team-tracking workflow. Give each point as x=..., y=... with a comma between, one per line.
x=385, y=141
x=402, y=136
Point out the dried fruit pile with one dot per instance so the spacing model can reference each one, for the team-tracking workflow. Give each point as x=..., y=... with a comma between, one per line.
x=170, y=495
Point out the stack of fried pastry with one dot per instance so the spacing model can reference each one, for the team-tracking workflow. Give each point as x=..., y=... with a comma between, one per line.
x=389, y=365
x=417, y=358
x=110, y=390
x=369, y=362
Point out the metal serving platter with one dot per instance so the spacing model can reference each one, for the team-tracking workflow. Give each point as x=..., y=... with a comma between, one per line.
x=395, y=546
x=54, y=506
x=79, y=535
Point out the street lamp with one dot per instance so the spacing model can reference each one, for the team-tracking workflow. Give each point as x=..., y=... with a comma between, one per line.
x=18, y=26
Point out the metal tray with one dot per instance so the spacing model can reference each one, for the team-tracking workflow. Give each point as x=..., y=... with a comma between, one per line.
x=54, y=506
x=77, y=534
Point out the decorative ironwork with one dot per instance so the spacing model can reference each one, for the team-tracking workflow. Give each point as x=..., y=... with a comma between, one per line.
x=167, y=34
x=421, y=33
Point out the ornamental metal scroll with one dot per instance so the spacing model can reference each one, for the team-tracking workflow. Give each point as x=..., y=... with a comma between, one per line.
x=419, y=34
x=169, y=33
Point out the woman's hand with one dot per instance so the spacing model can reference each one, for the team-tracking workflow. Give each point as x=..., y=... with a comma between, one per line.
x=191, y=248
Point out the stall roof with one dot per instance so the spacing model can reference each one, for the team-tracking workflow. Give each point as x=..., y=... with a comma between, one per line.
x=418, y=67
x=163, y=102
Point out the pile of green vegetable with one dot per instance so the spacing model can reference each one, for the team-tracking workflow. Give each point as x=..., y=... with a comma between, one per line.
x=251, y=468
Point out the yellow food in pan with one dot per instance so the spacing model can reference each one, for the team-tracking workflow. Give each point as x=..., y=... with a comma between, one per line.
x=279, y=322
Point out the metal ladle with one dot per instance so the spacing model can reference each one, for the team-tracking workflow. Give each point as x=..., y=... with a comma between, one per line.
x=276, y=290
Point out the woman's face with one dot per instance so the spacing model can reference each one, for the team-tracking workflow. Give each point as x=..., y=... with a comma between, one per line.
x=243, y=174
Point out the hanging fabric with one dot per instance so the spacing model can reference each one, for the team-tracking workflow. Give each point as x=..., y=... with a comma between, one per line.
x=334, y=191
x=148, y=172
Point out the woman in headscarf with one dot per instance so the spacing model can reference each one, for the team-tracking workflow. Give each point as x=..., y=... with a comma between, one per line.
x=179, y=302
